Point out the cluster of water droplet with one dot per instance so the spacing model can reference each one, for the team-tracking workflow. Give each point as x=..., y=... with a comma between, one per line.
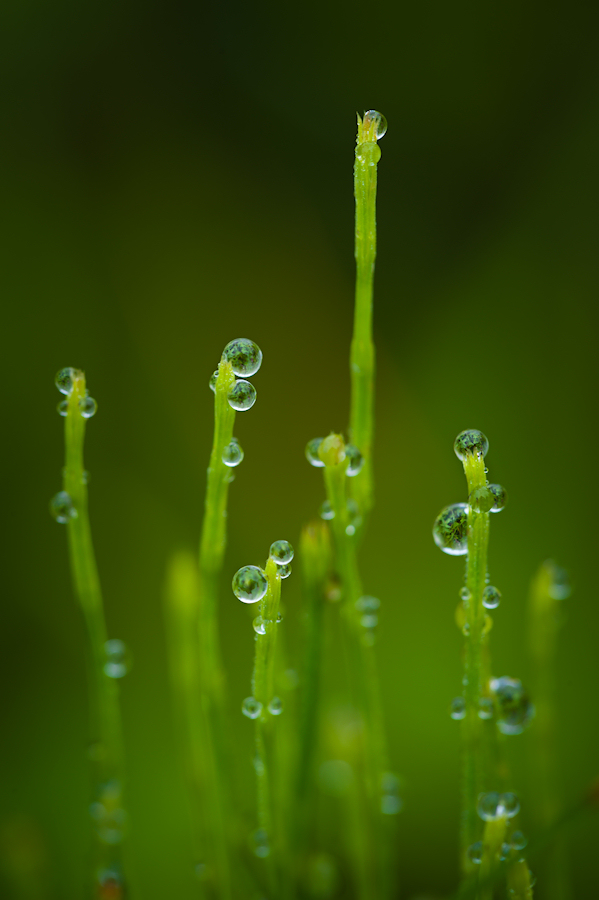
x=355, y=460
x=494, y=805
x=61, y=508
x=108, y=814
x=64, y=382
x=245, y=358
x=512, y=703
x=117, y=660
x=374, y=123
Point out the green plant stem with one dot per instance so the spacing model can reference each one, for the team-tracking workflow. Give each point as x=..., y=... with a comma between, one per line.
x=106, y=717
x=493, y=838
x=362, y=355
x=472, y=731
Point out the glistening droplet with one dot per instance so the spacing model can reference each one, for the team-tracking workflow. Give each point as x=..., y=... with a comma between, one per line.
x=355, y=460
x=242, y=395
x=275, y=707
x=212, y=382
x=251, y=707
x=475, y=852
x=244, y=355
x=458, y=708
x=117, y=661
x=312, y=452
x=64, y=380
x=450, y=531
x=376, y=118
x=514, y=708
x=87, y=407
x=491, y=597
x=61, y=507
x=281, y=552
x=470, y=442
x=249, y=584
x=232, y=453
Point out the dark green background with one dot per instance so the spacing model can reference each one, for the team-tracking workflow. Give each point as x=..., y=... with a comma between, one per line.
x=177, y=175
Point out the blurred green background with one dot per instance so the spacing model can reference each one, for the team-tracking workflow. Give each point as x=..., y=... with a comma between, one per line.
x=177, y=175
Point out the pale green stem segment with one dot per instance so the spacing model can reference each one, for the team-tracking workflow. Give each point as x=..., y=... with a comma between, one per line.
x=493, y=838
x=368, y=860
x=106, y=717
x=263, y=692
x=362, y=356
x=519, y=881
x=472, y=726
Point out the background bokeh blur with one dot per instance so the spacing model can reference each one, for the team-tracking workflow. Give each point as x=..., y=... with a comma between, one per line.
x=176, y=175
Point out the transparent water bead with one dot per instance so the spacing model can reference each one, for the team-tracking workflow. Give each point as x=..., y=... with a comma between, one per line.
x=391, y=802
x=493, y=805
x=475, y=852
x=514, y=708
x=491, y=597
x=518, y=840
x=63, y=408
x=312, y=456
x=242, y=395
x=458, y=708
x=259, y=625
x=117, y=662
x=450, y=531
x=470, y=442
x=281, y=552
x=488, y=498
x=232, y=454
x=61, y=508
x=465, y=594
x=485, y=708
x=354, y=517
x=284, y=571
x=212, y=382
x=376, y=118
x=275, y=707
x=356, y=460
x=368, y=153
x=251, y=707
x=326, y=511
x=259, y=843
x=87, y=407
x=244, y=355
x=64, y=380
x=249, y=584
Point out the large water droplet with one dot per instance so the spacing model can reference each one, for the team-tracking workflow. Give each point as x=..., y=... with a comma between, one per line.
x=117, y=660
x=251, y=707
x=312, y=452
x=494, y=805
x=458, y=708
x=61, y=507
x=64, y=380
x=368, y=153
x=450, y=531
x=281, y=552
x=471, y=442
x=244, y=355
x=249, y=584
x=87, y=407
x=376, y=118
x=275, y=707
x=491, y=597
x=232, y=454
x=242, y=395
x=514, y=708
x=475, y=852
x=356, y=460
x=213, y=380
x=259, y=843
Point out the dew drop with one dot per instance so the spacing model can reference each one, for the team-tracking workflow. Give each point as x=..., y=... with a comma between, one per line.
x=368, y=603
x=259, y=625
x=242, y=395
x=518, y=840
x=475, y=852
x=232, y=453
x=514, y=708
x=369, y=620
x=465, y=594
x=275, y=707
x=450, y=531
x=117, y=661
x=244, y=355
x=213, y=379
x=64, y=380
x=251, y=707
x=368, y=153
x=356, y=460
x=259, y=843
x=326, y=511
x=493, y=805
x=391, y=802
x=491, y=597
x=87, y=407
x=312, y=452
x=374, y=117
x=458, y=708
x=61, y=507
x=109, y=817
x=511, y=805
x=485, y=708
x=281, y=552
x=354, y=517
x=284, y=571
x=63, y=408
x=249, y=584
x=470, y=442
x=504, y=851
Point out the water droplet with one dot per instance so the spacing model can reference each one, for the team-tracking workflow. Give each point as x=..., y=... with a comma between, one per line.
x=504, y=851
x=369, y=620
x=259, y=843
x=63, y=408
x=368, y=603
x=368, y=153
x=475, y=852
x=251, y=707
x=450, y=531
x=232, y=454
x=242, y=395
x=493, y=805
x=212, y=382
x=279, y=618
x=284, y=571
x=117, y=662
x=374, y=117
x=354, y=517
x=356, y=460
x=470, y=442
x=87, y=406
x=458, y=708
x=249, y=584
x=64, y=380
x=259, y=625
x=391, y=802
x=466, y=629
x=109, y=817
x=560, y=587
x=518, y=840
x=244, y=355
x=485, y=708
x=326, y=511
x=275, y=707
x=281, y=552
x=465, y=594
x=61, y=507
x=491, y=597
x=514, y=709
x=312, y=452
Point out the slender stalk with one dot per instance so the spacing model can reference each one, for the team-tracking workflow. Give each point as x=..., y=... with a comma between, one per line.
x=494, y=836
